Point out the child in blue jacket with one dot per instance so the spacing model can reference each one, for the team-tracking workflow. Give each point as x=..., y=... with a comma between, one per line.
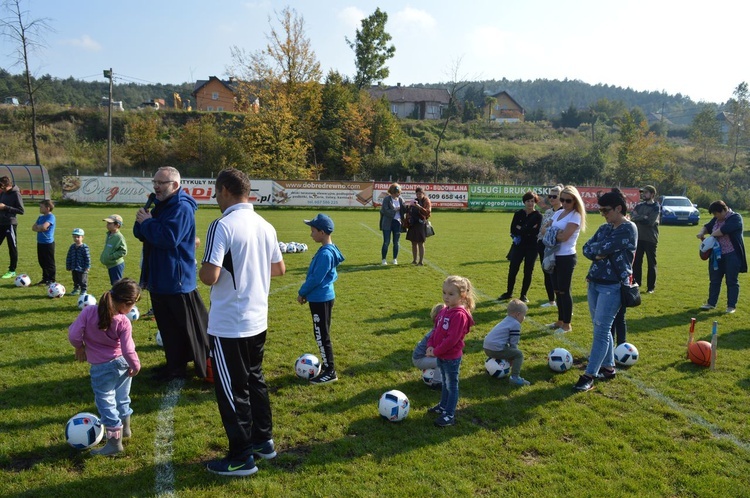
x=318, y=292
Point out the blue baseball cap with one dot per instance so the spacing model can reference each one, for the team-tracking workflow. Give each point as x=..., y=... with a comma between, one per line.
x=321, y=222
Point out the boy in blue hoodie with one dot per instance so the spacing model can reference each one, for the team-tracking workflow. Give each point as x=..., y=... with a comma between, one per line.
x=318, y=292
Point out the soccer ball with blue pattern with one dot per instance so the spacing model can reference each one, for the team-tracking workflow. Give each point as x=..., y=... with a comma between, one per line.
x=291, y=247
x=282, y=247
x=84, y=430
x=626, y=354
x=86, y=300
x=560, y=360
x=307, y=366
x=431, y=376
x=133, y=314
x=393, y=406
x=497, y=368
x=23, y=280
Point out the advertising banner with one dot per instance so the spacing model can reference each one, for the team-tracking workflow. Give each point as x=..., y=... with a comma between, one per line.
x=442, y=195
x=509, y=196
x=321, y=193
x=136, y=190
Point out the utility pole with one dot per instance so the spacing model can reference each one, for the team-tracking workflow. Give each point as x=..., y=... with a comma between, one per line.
x=108, y=74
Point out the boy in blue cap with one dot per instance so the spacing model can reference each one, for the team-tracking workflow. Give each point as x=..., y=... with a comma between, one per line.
x=318, y=292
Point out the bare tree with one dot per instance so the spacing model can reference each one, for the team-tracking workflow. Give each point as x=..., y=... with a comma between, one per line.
x=454, y=86
x=27, y=35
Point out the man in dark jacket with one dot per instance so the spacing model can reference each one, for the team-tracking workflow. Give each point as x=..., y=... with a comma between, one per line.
x=645, y=215
x=11, y=205
x=169, y=274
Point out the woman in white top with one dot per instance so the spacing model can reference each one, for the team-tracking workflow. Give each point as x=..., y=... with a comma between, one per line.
x=553, y=198
x=570, y=221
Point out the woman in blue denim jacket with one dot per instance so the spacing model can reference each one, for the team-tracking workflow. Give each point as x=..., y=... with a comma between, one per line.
x=611, y=250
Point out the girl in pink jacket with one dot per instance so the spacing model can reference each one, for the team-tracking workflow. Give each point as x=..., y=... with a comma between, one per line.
x=447, y=343
x=102, y=335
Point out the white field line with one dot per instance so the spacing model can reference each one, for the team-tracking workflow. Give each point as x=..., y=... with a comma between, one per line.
x=696, y=419
x=164, y=485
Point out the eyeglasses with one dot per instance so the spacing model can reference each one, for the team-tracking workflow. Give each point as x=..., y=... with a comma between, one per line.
x=605, y=210
x=551, y=197
x=157, y=182
x=568, y=200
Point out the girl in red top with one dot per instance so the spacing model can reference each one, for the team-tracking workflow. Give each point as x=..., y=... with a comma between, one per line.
x=447, y=343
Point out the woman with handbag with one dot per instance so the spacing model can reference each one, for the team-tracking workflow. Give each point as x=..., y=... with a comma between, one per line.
x=392, y=213
x=611, y=251
x=418, y=213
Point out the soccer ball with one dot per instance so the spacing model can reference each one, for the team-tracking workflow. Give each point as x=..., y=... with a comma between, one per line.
x=86, y=300
x=302, y=247
x=133, y=314
x=307, y=366
x=56, y=290
x=282, y=246
x=84, y=430
x=291, y=247
x=159, y=342
x=559, y=360
x=497, y=368
x=23, y=280
x=626, y=354
x=431, y=376
x=393, y=406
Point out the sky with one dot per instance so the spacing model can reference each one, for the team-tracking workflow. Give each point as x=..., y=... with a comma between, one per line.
x=658, y=45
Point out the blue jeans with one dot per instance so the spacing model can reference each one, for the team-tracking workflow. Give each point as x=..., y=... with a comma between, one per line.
x=396, y=231
x=111, y=386
x=604, y=303
x=449, y=370
x=115, y=273
x=729, y=269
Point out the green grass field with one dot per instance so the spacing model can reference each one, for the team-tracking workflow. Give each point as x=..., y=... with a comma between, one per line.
x=664, y=427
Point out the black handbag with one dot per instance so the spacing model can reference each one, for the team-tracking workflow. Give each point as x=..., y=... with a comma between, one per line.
x=429, y=231
x=630, y=295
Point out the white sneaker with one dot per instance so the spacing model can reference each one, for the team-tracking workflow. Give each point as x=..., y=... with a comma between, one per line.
x=707, y=307
x=384, y=262
x=730, y=310
x=395, y=261
x=547, y=305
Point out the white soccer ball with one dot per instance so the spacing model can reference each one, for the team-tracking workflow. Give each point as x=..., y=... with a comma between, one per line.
x=84, y=430
x=282, y=246
x=431, y=376
x=23, y=280
x=133, y=314
x=291, y=247
x=560, y=360
x=626, y=354
x=86, y=300
x=497, y=368
x=307, y=366
x=302, y=247
x=393, y=406
x=159, y=341
x=56, y=290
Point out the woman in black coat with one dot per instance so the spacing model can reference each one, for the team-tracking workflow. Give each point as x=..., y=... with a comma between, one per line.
x=523, y=229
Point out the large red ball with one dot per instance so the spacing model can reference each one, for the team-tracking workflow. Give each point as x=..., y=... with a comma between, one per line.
x=700, y=353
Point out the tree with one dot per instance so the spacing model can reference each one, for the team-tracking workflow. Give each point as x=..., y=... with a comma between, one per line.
x=641, y=155
x=285, y=78
x=142, y=143
x=27, y=35
x=371, y=49
x=705, y=131
x=489, y=103
x=739, y=106
x=451, y=112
